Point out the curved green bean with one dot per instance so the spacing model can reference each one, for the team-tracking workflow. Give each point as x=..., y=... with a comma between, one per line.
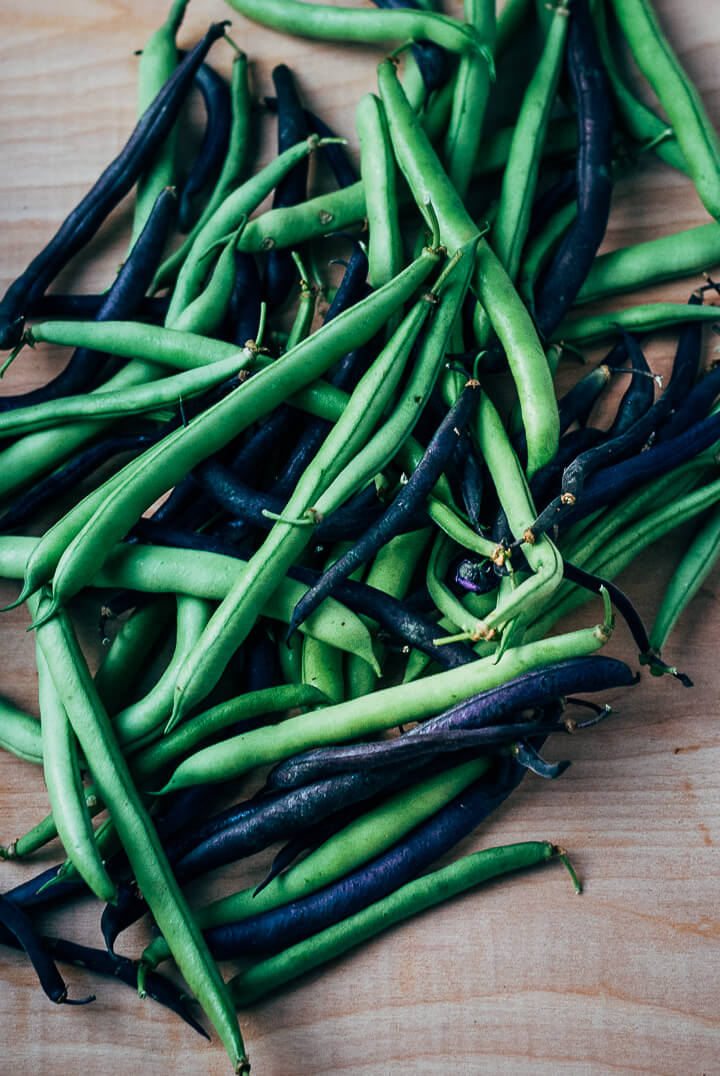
x=410, y=899
x=20, y=733
x=644, y=318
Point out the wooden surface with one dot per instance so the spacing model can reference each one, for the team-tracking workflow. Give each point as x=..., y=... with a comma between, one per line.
x=525, y=977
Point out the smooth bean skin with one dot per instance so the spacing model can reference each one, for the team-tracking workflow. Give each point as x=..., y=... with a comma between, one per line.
x=695, y=134
x=507, y=313
x=137, y=833
x=326, y=23
x=20, y=733
x=379, y=711
x=412, y=898
x=470, y=97
x=652, y=262
x=123, y=402
x=584, y=331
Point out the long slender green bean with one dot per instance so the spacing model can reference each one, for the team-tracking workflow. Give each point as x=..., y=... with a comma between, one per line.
x=20, y=733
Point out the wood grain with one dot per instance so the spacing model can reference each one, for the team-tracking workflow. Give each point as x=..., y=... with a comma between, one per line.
x=523, y=978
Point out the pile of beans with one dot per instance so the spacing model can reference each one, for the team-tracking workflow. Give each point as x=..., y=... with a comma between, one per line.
x=354, y=499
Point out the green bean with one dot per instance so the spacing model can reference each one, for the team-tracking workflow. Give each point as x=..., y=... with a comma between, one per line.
x=134, y=340
x=128, y=653
x=697, y=562
x=410, y=899
x=368, y=836
x=20, y=733
x=510, y=227
x=541, y=248
x=231, y=623
x=325, y=23
x=677, y=95
x=584, y=331
x=155, y=879
x=227, y=218
x=379, y=178
x=142, y=717
x=652, y=262
x=452, y=609
x=147, y=762
x=206, y=311
x=102, y=406
x=641, y=121
x=290, y=657
x=509, y=317
x=232, y=172
x=46, y=830
x=156, y=569
x=449, y=522
x=79, y=544
x=472, y=90
x=302, y=324
x=322, y=668
x=381, y=710
x=65, y=790
x=158, y=60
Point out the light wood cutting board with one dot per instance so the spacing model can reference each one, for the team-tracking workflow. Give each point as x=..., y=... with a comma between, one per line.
x=524, y=977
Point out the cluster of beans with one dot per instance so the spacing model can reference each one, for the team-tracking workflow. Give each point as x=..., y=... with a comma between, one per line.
x=346, y=500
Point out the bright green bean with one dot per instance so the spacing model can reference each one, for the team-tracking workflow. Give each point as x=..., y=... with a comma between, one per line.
x=472, y=91
x=644, y=318
x=697, y=562
x=380, y=710
x=509, y=317
x=158, y=60
x=102, y=406
x=510, y=227
x=379, y=178
x=227, y=218
x=129, y=651
x=232, y=172
x=205, y=313
x=449, y=522
x=20, y=733
x=147, y=859
x=150, y=760
x=325, y=23
x=65, y=789
x=410, y=899
x=46, y=830
x=691, y=125
x=143, y=716
x=652, y=262
x=134, y=340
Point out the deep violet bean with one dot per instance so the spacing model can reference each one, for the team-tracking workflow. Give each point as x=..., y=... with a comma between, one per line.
x=629, y=613
x=410, y=498
x=609, y=485
x=59, y=482
x=243, y=317
x=564, y=277
x=206, y=167
x=285, y=926
x=433, y=62
x=336, y=154
x=85, y=307
x=280, y=270
x=638, y=397
x=99, y=962
x=695, y=407
x=18, y=925
x=117, y=179
x=123, y=299
x=28, y=893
